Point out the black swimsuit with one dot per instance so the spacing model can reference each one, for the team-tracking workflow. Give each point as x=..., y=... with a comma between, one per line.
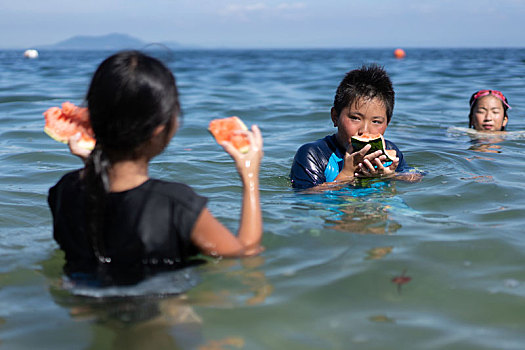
x=146, y=229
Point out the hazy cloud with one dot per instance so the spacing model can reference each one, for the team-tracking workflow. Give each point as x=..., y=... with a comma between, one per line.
x=246, y=11
x=270, y=23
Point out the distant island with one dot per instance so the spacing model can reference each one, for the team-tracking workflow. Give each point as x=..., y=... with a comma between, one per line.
x=113, y=41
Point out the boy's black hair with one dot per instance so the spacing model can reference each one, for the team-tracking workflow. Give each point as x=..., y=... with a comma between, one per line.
x=366, y=82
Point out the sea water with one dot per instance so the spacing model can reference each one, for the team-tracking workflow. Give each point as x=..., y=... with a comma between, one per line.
x=325, y=278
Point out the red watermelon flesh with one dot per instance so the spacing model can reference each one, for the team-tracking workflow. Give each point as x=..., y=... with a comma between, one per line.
x=62, y=123
x=223, y=129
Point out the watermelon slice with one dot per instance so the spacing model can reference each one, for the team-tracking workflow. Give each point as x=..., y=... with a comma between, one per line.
x=376, y=141
x=62, y=123
x=223, y=129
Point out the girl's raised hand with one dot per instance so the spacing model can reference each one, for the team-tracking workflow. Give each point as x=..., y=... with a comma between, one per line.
x=247, y=242
x=75, y=149
x=247, y=163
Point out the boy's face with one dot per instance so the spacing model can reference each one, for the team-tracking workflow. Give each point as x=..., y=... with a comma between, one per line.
x=488, y=114
x=364, y=116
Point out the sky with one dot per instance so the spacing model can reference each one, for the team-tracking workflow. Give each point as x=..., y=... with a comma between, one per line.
x=269, y=23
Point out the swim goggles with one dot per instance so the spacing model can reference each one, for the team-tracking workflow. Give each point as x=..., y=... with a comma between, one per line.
x=495, y=93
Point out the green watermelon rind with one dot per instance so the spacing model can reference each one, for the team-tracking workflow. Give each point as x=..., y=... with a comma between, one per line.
x=378, y=144
x=89, y=145
x=54, y=128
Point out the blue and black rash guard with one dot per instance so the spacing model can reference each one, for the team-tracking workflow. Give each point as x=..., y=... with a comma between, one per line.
x=321, y=161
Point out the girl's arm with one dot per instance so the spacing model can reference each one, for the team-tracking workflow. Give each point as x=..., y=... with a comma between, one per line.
x=210, y=235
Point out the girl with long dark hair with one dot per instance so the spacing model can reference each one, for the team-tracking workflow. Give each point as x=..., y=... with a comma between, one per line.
x=115, y=223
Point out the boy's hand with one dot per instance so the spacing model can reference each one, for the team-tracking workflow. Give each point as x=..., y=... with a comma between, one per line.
x=373, y=166
x=352, y=161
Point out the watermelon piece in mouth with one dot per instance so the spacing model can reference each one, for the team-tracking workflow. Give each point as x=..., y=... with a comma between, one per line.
x=377, y=143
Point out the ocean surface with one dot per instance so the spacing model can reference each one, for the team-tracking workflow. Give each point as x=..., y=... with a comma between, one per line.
x=327, y=277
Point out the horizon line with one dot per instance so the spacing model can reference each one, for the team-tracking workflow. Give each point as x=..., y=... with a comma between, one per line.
x=184, y=47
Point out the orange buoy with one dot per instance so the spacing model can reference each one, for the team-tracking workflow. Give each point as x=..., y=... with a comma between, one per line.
x=399, y=53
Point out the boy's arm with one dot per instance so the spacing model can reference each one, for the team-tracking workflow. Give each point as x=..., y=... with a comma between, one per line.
x=405, y=172
x=348, y=173
x=307, y=170
x=400, y=170
x=375, y=167
x=353, y=162
x=402, y=165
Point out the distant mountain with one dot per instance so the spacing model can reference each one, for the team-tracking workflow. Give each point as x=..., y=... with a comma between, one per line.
x=113, y=41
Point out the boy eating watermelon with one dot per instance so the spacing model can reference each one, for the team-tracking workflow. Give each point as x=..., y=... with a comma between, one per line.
x=363, y=106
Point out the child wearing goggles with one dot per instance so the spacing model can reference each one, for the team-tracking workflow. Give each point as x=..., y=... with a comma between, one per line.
x=488, y=111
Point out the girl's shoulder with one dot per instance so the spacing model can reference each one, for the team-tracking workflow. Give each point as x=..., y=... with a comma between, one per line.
x=71, y=178
x=163, y=186
x=173, y=191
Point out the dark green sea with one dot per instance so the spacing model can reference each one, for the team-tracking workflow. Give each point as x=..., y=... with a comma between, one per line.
x=325, y=278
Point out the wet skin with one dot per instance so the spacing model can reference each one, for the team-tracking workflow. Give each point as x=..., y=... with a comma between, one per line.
x=364, y=116
x=488, y=114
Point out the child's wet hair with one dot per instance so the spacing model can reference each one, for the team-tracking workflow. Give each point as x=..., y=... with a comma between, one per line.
x=130, y=95
x=367, y=82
